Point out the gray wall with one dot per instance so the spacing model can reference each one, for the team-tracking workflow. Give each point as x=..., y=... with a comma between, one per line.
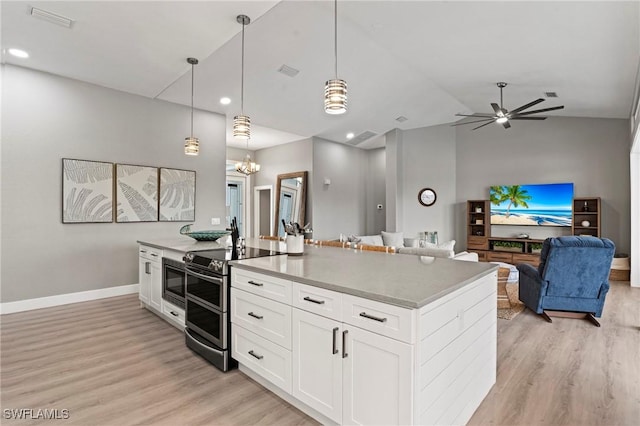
x=340, y=206
x=592, y=153
x=376, y=193
x=429, y=161
x=288, y=158
x=47, y=118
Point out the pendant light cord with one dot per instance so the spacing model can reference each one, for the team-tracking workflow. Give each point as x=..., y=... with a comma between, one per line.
x=242, y=74
x=335, y=35
x=192, y=71
x=501, y=98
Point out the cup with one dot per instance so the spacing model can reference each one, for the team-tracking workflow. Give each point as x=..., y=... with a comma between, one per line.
x=295, y=245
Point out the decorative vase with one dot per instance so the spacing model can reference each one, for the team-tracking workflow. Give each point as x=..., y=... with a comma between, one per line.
x=586, y=223
x=478, y=209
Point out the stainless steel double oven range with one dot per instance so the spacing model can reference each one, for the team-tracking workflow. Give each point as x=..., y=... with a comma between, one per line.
x=207, y=302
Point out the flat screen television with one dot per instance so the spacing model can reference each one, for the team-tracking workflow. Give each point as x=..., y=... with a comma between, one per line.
x=532, y=205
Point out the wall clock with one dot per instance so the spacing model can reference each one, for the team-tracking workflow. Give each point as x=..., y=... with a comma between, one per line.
x=427, y=197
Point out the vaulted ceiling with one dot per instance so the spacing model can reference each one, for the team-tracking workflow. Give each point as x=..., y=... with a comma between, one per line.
x=423, y=60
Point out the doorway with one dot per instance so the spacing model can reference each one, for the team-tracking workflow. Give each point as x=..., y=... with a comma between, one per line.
x=235, y=201
x=263, y=210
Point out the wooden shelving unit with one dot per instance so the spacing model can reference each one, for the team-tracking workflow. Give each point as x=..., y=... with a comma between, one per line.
x=586, y=209
x=478, y=227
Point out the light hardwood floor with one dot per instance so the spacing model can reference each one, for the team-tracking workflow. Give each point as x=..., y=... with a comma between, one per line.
x=111, y=363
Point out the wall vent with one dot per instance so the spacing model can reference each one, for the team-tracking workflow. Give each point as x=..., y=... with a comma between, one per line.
x=288, y=71
x=361, y=138
x=401, y=119
x=63, y=21
x=551, y=94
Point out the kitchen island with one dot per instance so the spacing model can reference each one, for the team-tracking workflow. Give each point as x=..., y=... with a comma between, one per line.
x=368, y=338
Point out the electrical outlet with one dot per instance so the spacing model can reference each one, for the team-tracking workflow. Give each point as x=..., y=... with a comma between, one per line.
x=215, y=221
x=379, y=207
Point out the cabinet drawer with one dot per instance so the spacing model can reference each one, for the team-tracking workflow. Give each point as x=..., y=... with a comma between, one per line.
x=318, y=300
x=475, y=242
x=150, y=253
x=493, y=256
x=531, y=259
x=173, y=313
x=387, y=320
x=263, y=285
x=269, y=319
x=265, y=358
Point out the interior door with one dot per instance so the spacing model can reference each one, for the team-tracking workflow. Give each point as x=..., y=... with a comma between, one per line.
x=235, y=202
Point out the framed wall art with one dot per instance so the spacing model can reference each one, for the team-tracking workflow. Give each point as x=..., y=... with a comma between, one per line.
x=136, y=193
x=177, y=195
x=87, y=191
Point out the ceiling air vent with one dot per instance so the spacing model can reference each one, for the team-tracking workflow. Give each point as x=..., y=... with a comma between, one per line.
x=63, y=21
x=551, y=94
x=401, y=119
x=361, y=138
x=288, y=71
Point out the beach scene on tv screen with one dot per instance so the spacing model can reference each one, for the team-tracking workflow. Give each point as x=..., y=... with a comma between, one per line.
x=537, y=205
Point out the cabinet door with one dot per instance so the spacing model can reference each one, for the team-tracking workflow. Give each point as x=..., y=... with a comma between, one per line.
x=377, y=379
x=317, y=363
x=155, y=300
x=144, y=278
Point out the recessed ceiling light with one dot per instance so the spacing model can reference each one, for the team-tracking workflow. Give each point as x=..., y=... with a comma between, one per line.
x=350, y=135
x=225, y=101
x=18, y=53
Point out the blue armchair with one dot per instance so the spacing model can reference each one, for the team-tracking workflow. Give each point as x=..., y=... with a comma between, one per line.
x=573, y=277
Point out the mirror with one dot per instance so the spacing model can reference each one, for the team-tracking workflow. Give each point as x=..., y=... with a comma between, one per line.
x=290, y=200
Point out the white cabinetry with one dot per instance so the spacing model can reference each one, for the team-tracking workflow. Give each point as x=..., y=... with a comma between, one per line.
x=150, y=276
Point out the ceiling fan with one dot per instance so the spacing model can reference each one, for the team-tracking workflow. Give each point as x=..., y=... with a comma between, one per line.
x=502, y=116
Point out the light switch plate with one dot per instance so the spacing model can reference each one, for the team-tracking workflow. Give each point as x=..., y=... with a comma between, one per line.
x=215, y=221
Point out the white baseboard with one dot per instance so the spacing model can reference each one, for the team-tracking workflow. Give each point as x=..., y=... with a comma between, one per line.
x=64, y=299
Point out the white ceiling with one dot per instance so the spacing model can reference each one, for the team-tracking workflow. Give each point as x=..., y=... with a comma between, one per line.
x=425, y=60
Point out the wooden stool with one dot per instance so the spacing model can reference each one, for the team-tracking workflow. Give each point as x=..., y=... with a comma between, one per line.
x=503, y=297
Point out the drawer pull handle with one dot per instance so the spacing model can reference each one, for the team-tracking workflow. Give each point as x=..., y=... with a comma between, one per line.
x=344, y=344
x=147, y=267
x=143, y=251
x=255, y=283
x=319, y=302
x=174, y=314
x=255, y=355
x=251, y=314
x=365, y=315
x=154, y=255
x=335, y=340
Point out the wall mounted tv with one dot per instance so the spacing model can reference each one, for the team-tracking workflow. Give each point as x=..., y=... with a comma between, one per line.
x=536, y=205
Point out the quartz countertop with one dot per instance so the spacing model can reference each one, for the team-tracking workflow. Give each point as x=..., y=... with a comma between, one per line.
x=182, y=244
x=404, y=280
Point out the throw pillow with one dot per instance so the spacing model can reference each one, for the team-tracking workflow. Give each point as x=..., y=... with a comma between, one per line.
x=393, y=239
x=372, y=240
x=447, y=245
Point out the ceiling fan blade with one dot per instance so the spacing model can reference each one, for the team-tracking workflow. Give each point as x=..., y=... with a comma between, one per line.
x=477, y=121
x=529, y=105
x=506, y=125
x=497, y=109
x=527, y=118
x=482, y=125
x=475, y=114
x=539, y=110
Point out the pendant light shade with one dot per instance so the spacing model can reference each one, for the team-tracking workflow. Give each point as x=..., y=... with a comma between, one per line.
x=335, y=90
x=335, y=96
x=242, y=123
x=191, y=144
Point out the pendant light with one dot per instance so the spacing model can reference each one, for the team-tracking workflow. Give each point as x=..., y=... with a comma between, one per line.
x=242, y=123
x=335, y=90
x=246, y=166
x=191, y=144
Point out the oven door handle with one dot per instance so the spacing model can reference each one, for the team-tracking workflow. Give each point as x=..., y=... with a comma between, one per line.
x=204, y=277
x=209, y=348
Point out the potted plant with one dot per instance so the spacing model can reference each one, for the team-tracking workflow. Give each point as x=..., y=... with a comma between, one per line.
x=536, y=248
x=512, y=246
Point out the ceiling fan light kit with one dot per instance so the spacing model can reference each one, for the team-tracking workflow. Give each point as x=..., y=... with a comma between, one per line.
x=191, y=144
x=503, y=116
